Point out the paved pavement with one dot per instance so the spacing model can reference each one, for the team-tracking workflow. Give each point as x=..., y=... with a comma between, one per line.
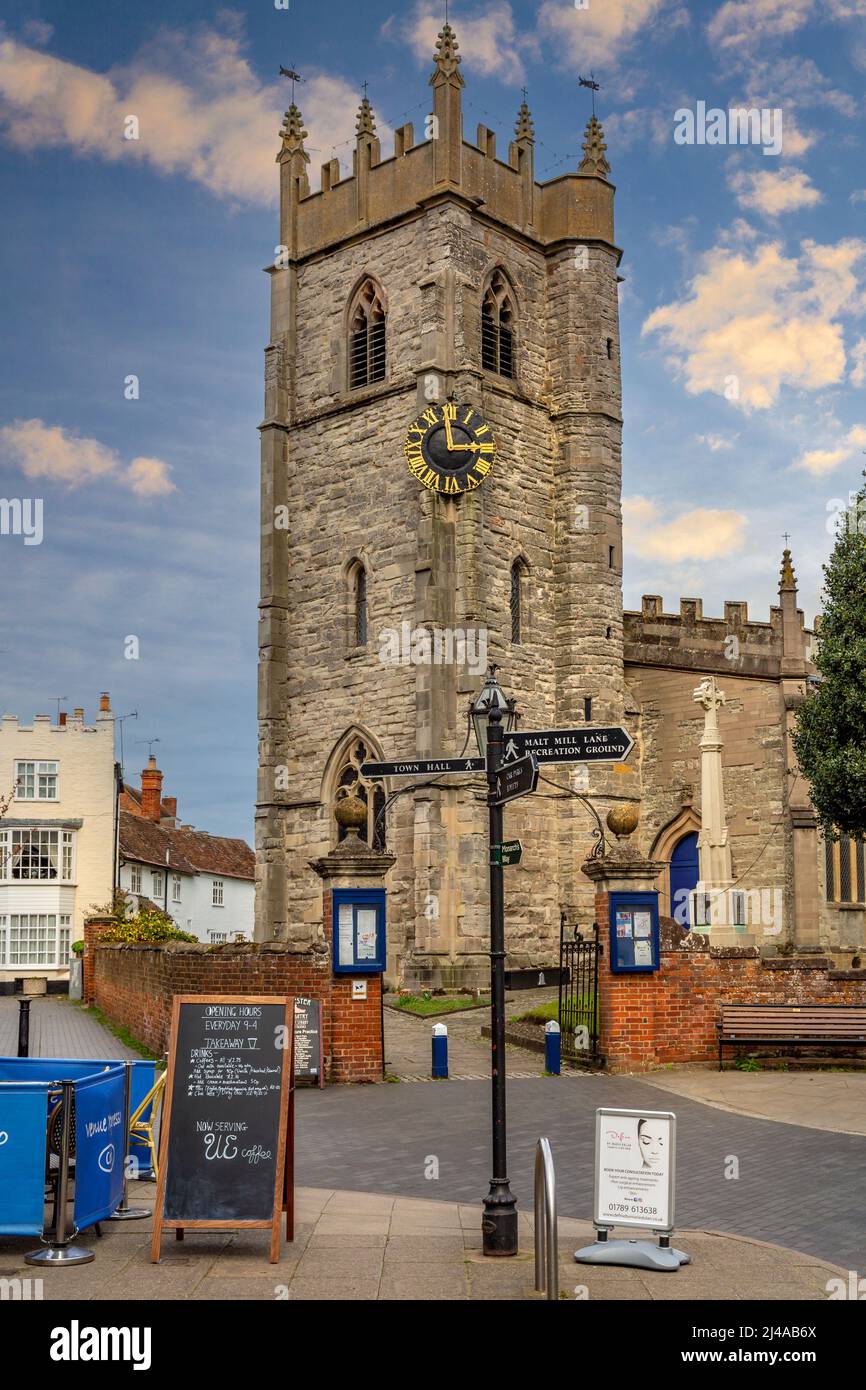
x=356, y=1245
x=408, y=1047
x=59, y=1029
x=796, y=1187
x=832, y=1100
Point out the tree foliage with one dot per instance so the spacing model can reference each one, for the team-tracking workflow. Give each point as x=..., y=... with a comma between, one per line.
x=830, y=735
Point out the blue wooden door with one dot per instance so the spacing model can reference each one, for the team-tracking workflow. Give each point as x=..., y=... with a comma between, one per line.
x=684, y=877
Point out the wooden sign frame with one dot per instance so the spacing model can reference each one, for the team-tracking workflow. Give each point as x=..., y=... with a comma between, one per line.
x=284, y=1180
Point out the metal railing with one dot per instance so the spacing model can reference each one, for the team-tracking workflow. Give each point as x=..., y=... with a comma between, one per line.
x=546, y=1245
x=578, y=996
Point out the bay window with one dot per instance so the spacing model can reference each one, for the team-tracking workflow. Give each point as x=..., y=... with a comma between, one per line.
x=33, y=853
x=34, y=938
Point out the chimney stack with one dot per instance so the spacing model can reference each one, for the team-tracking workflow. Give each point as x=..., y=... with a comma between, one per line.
x=61, y=718
x=151, y=790
x=104, y=703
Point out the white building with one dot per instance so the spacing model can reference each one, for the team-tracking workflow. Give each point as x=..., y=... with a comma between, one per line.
x=57, y=837
x=206, y=883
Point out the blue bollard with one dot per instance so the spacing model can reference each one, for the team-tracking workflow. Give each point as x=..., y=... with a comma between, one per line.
x=439, y=1069
x=552, y=1047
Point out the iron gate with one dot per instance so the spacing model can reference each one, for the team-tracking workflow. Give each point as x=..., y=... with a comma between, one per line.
x=578, y=995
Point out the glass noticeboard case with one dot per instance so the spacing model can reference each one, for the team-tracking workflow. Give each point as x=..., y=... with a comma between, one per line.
x=634, y=932
x=358, y=931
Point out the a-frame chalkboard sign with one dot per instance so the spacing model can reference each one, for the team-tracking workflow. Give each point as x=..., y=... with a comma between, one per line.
x=226, y=1153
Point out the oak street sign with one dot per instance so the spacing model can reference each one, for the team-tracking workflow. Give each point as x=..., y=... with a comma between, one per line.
x=516, y=778
x=422, y=767
x=586, y=745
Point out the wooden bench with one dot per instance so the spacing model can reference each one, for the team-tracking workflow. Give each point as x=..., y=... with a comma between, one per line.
x=827, y=1025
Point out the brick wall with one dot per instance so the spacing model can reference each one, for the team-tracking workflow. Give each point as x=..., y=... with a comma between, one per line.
x=672, y=1014
x=134, y=986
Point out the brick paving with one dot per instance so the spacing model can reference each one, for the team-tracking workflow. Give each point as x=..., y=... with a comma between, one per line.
x=408, y=1046
x=355, y=1245
x=59, y=1029
x=797, y=1187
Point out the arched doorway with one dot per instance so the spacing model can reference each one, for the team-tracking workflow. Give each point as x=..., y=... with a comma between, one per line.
x=684, y=875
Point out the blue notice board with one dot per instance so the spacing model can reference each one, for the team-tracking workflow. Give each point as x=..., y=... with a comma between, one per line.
x=359, y=931
x=634, y=932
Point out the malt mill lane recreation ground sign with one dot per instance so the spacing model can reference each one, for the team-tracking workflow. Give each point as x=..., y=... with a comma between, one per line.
x=584, y=745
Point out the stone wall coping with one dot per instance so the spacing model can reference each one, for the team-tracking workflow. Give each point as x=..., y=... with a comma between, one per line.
x=225, y=948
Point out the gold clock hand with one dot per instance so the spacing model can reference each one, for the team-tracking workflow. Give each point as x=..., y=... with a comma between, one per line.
x=448, y=440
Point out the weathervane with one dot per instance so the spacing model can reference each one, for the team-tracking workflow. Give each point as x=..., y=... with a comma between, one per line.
x=593, y=86
x=295, y=77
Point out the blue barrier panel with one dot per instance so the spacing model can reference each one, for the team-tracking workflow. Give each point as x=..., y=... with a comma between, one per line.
x=99, y=1145
x=50, y=1068
x=23, y=1120
x=141, y=1081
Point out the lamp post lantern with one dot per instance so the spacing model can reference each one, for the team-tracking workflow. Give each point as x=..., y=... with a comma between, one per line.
x=493, y=716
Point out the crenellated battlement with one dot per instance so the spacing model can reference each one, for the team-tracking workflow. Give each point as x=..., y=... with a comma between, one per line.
x=732, y=643
x=572, y=207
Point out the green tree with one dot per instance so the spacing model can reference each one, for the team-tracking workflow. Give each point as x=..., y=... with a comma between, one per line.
x=830, y=734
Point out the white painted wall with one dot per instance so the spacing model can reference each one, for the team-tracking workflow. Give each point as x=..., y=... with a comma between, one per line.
x=85, y=757
x=195, y=912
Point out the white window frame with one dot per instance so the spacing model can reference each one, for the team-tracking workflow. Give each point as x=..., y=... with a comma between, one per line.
x=56, y=844
x=135, y=878
x=157, y=875
x=43, y=930
x=41, y=770
x=175, y=888
x=218, y=938
x=218, y=893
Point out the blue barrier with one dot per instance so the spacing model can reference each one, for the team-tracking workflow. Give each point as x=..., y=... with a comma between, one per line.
x=142, y=1080
x=100, y=1128
x=23, y=1122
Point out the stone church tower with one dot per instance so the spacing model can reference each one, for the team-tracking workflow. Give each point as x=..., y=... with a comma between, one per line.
x=442, y=272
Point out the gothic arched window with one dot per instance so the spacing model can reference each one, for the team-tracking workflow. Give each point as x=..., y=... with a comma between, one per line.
x=351, y=783
x=361, y=607
x=367, y=337
x=497, y=326
x=516, y=599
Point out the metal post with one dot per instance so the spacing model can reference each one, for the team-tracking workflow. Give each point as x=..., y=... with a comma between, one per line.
x=439, y=1067
x=124, y=1211
x=546, y=1238
x=23, y=1027
x=499, y=1224
x=59, y=1251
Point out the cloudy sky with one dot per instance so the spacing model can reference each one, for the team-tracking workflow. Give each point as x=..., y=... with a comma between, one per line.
x=743, y=311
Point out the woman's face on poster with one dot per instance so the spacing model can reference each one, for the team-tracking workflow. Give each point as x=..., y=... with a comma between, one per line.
x=651, y=1142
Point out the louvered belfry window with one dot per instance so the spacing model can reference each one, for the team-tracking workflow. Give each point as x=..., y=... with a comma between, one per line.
x=497, y=327
x=367, y=338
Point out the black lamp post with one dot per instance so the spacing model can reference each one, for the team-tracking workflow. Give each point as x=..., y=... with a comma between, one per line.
x=493, y=716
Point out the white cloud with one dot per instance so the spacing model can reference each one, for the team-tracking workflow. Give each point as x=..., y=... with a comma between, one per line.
x=50, y=451
x=599, y=33
x=821, y=461
x=741, y=23
x=754, y=320
x=858, y=196
x=716, y=442
x=202, y=111
x=487, y=41
x=773, y=193
x=699, y=534
x=858, y=357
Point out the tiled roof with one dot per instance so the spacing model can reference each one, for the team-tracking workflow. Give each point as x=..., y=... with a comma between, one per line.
x=189, y=851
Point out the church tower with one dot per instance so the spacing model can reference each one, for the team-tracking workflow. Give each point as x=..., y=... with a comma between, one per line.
x=443, y=273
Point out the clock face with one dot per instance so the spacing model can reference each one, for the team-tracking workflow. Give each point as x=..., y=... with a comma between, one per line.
x=450, y=448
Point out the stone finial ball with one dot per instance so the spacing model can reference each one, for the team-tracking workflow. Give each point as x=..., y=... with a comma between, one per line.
x=623, y=819
x=350, y=812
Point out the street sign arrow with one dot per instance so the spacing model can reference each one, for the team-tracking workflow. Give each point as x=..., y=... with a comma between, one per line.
x=422, y=767
x=516, y=778
x=585, y=745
